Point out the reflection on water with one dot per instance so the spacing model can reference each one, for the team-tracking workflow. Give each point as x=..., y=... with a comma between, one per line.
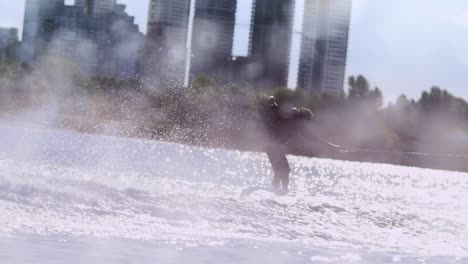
x=99, y=198
x=54, y=249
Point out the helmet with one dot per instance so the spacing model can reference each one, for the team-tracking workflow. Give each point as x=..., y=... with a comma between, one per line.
x=272, y=102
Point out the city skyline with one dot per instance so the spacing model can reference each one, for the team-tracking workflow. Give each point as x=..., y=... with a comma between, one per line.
x=394, y=44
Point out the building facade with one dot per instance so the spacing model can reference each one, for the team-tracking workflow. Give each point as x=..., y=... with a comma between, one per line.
x=324, y=45
x=96, y=7
x=272, y=30
x=211, y=43
x=163, y=58
x=102, y=44
x=213, y=34
x=38, y=27
x=213, y=39
x=8, y=44
x=268, y=60
x=323, y=49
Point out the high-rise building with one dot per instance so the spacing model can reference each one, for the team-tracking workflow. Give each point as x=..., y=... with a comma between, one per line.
x=324, y=45
x=164, y=54
x=102, y=44
x=212, y=38
x=168, y=15
x=38, y=27
x=213, y=34
x=269, y=43
x=272, y=27
x=96, y=7
x=8, y=44
x=321, y=42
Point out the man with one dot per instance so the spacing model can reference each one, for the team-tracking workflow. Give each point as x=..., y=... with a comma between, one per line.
x=284, y=127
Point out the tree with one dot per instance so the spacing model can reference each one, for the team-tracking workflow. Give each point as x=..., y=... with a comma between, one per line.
x=402, y=102
x=358, y=87
x=360, y=92
x=375, y=98
x=441, y=101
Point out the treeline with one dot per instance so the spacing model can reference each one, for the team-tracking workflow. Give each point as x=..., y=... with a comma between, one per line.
x=437, y=122
x=210, y=113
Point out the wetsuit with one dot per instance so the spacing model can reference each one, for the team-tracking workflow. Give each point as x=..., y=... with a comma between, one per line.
x=281, y=126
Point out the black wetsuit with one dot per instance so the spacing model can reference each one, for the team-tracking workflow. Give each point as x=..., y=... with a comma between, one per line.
x=290, y=129
x=281, y=126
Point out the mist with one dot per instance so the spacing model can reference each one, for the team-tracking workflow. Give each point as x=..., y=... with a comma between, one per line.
x=57, y=93
x=107, y=161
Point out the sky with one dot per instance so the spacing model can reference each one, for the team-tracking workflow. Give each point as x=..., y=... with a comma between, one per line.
x=402, y=46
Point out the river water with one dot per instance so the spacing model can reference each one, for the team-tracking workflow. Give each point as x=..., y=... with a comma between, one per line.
x=73, y=198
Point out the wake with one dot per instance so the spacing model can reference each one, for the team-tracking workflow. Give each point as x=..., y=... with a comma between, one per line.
x=60, y=183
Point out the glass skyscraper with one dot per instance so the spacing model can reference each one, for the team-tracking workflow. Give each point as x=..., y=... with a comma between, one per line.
x=211, y=43
x=96, y=35
x=38, y=27
x=96, y=7
x=324, y=45
x=165, y=47
x=271, y=39
x=322, y=49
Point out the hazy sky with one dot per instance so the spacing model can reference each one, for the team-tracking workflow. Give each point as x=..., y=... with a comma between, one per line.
x=403, y=46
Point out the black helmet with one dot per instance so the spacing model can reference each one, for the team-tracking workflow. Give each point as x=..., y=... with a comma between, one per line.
x=272, y=102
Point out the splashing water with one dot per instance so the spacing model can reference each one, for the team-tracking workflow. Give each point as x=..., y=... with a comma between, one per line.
x=98, y=199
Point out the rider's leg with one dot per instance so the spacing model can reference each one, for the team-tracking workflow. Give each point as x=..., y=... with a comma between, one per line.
x=280, y=166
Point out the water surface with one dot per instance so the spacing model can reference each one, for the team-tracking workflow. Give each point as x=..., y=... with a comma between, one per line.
x=95, y=199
